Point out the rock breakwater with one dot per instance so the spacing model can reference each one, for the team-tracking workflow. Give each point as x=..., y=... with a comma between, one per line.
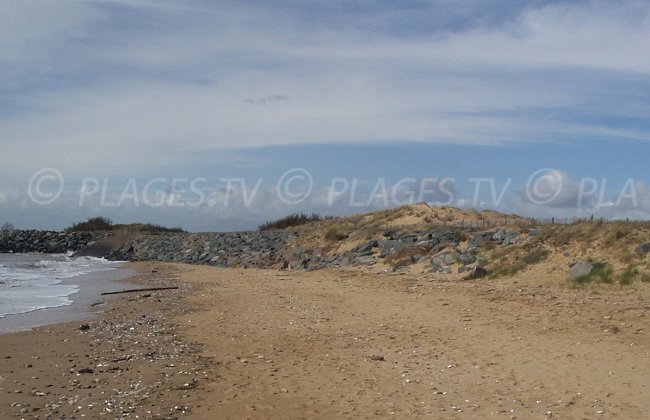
x=232, y=249
x=25, y=241
x=441, y=250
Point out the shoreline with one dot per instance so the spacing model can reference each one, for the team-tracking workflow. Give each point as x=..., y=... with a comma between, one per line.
x=114, y=364
x=87, y=302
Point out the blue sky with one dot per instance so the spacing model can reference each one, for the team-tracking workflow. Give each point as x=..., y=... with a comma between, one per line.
x=370, y=91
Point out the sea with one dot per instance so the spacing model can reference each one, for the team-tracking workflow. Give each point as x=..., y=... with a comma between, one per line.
x=35, y=285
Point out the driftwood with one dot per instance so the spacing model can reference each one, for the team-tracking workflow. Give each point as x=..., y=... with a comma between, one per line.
x=146, y=289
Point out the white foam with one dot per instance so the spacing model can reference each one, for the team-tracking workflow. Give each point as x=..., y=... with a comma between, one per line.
x=29, y=282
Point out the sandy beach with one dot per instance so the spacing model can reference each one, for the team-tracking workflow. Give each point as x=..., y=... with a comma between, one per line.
x=235, y=343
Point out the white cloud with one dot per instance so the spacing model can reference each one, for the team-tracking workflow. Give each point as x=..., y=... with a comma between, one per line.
x=107, y=86
x=554, y=193
x=199, y=205
x=219, y=205
x=33, y=36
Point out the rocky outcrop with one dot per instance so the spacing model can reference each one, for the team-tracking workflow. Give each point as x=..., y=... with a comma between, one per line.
x=24, y=241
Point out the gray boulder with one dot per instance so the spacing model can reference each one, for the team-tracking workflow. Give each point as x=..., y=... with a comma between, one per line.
x=466, y=258
x=365, y=249
x=478, y=272
x=408, y=238
x=390, y=234
x=499, y=235
x=364, y=260
x=480, y=239
x=445, y=258
x=643, y=248
x=435, y=268
x=387, y=246
x=581, y=268
x=510, y=239
x=440, y=246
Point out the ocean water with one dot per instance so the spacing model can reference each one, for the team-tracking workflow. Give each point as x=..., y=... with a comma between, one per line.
x=29, y=282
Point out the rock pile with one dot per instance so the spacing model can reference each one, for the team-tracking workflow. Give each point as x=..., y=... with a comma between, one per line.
x=46, y=241
x=442, y=248
x=233, y=249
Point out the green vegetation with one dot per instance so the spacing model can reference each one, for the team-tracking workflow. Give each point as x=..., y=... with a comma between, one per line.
x=95, y=223
x=631, y=274
x=148, y=228
x=628, y=275
x=295, y=219
x=103, y=223
x=510, y=263
x=613, y=235
x=601, y=273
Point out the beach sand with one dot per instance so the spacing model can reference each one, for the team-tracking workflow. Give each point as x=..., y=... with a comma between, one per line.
x=234, y=343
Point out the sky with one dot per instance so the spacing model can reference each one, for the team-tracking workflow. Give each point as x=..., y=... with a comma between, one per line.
x=222, y=115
